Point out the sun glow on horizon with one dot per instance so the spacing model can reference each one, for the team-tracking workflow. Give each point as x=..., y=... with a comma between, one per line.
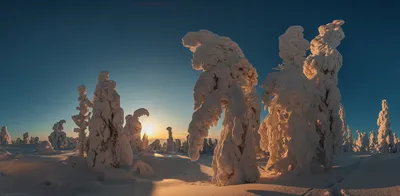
x=148, y=128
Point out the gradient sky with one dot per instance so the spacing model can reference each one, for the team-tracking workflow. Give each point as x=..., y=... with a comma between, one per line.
x=48, y=48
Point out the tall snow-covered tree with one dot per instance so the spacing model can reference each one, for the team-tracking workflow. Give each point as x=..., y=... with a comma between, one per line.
x=5, y=137
x=342, y=140
x=82, y=119
x=322, y=66
x=108, y=146
x=170, y=141
x=226, y=84
x=288, y=132
x=384, y=141
x=133, y=129
x=58, y=138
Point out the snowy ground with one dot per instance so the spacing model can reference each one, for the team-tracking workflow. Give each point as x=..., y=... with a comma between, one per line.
x=64, y=174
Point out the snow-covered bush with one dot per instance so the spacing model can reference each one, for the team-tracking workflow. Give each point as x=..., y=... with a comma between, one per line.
x=45, y=147
x=384, y=132
x=156, y=144
x=288, y=132
x=133, y=129
x=58, y=138
x=82, y=119
x=145, y=141
x=108, y=146
x=170, y=141
x=25, y=137
x=5, y=137
x=372, y=140
x=226, y=84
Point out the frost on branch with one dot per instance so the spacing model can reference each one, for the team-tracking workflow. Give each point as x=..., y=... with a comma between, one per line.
x=25, y=137
x=108, y=146
x=45, y=147
x=322, y=67
x=58, y=138
x=384, y=138
x=133, y=129
x=226, y=84
x=170, y=141
x=288, y=132
x=5, y=137
x=82, y=119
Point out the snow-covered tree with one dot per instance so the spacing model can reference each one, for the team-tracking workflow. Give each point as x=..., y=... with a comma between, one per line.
x=384, y=136
x=18, y=141
x=322, y=66
x=343, y=139
x=362, y=144
x=372, y=140
x=178, y=145
x=170, y=141
x=185, y=146
x=206, y=148
x=5, y=137
x=145, y=141
x=164, y=147
x=156, y=144
x=350, y=143
x=133, y=129
x=45, y=147
x=288, y=132
x=395, y=143
x=82, y=119
x=108, y=146
x=58, y=138
x=25, y=137
x=226, y=84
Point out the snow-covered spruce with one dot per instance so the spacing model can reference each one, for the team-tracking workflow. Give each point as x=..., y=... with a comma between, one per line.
x=288, y=132
x=178, y=145
x=322, y=67
x=342, y=141
x=34, y=140
x=82, y=119
x=170, y=141
x=18, y=141
x=349, y=139
x=156, y=144
x=108, y=146
x=25, y=137
x=58, y=138
x=395, y=143
x=133, y=129
x=226, y=84
x=362, y=144
x=5, y=137
x=384, y=132
x=372, y=141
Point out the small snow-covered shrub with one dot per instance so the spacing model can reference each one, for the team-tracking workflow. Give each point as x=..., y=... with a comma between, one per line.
x=58, y=138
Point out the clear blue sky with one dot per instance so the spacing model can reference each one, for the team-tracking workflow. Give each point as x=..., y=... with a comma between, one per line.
x=48, y=48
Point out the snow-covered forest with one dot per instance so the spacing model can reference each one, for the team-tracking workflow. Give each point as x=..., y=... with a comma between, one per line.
x=305, y=132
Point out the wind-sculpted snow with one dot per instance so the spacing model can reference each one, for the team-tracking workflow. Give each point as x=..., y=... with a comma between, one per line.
x=384, y=138
x=108, y=146
x=5, y=137
x=288, y=132
x=322, y=67
x=82, y=119
x=226, y=84
x=133, y=129
x=58, y=138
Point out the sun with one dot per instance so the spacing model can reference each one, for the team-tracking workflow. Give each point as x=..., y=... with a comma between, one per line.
x=148, y=128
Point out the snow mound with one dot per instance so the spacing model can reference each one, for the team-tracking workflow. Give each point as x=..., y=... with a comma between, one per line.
x=45, y=147
x=5, y=155
x=142, y=169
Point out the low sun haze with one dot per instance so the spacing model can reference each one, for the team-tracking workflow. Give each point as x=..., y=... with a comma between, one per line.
x=49, y=48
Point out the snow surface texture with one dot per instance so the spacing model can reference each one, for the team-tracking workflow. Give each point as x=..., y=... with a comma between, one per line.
x=170, y=141
x=288, y=132
x=227, y=83
x=142, y=168
x=322, y=66
x=108, y=146
x=5, y=137
x=385, y=140
x=45, y=147
x=58, y=138
x=82, y=119
x=133, y=129
x=25, y=137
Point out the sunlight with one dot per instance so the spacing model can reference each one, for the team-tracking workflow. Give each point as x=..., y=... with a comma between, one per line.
x=148, y=128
